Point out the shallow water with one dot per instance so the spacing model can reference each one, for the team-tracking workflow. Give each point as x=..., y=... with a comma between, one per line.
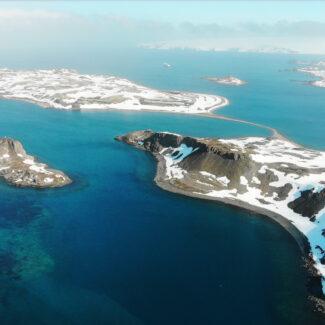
x=113, y=248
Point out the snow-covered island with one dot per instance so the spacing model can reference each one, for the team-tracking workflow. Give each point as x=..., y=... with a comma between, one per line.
x=22, y=170
x=227, y=80
x=270, y=176
x=317, y=70
x=71, y=90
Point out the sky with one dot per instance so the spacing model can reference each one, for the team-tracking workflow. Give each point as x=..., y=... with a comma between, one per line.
x=297, y=26
x=225, y=12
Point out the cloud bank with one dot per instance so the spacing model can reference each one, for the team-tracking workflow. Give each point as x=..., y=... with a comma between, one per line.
x=40, y=29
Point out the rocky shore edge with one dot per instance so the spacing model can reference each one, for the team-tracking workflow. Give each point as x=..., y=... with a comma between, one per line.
x=314, y=284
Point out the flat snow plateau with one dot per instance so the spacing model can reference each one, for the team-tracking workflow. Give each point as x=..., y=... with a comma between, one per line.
x=69, y=89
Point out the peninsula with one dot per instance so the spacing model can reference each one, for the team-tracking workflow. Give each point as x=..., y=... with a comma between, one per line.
x=22, y=170
x=227, y=80
x=270, y=176
x=70, y=90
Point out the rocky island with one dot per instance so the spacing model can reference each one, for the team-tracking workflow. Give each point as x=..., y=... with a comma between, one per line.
x=70, y=90
x=270, y=176
x=316, y=70
x=22, y=170
x=227, y=80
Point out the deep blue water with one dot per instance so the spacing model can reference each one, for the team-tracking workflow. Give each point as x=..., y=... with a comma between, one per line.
x=113, y=248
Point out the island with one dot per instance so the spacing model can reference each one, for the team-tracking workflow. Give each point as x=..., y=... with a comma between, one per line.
x=22, y=170
x=270, y=176
x=227, y=80
x=317, y=70
x=70, y=90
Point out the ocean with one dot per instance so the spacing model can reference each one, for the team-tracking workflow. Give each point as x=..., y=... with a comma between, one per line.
x=113, y=248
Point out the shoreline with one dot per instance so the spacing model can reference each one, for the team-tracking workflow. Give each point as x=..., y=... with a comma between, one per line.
x=300, y=238
x=314, y=280
x=224, y=102
x=208, y=114
x=164, y=179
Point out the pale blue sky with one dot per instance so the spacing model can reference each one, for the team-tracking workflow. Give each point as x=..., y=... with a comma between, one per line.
x=193, y=11
x=201, y=25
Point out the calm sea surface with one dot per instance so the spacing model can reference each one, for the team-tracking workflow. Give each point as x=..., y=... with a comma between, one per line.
x=113, y=248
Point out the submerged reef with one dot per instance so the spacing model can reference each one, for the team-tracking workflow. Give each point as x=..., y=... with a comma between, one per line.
x=22, y=255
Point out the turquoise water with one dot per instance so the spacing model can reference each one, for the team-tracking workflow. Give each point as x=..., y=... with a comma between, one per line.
x=113, y=248
x=272, y=96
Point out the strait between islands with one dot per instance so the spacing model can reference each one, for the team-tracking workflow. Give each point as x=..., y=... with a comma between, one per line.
x=271, y=176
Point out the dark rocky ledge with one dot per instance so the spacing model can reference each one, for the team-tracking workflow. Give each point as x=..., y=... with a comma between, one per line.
x=309, y=203
x=22, y=170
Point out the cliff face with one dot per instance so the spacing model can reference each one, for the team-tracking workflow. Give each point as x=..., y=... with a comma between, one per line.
x=20, y=169
x=271, y=175
x=224, y=158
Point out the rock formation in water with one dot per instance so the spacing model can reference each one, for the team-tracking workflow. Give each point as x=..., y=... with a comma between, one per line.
x=19, y=169
x=227, y=80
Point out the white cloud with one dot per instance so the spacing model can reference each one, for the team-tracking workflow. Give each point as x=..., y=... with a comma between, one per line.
x=32, y=14
x=36, y=29
x=261, y=45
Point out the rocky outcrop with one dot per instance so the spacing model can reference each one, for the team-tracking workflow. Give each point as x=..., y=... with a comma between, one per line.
x=271, y=176
x=214, y=156
x=227, y=80
x=22, y=170
x=309, y=203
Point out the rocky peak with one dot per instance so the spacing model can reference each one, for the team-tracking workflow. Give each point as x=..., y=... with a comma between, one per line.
x=10, y=146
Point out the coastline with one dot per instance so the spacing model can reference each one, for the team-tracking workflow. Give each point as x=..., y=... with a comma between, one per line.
x=314, y=279
x=167, y=179
x=71, y=90
x=208, y=114
x=298, y=236
x=301, y=240
x=224, y=102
